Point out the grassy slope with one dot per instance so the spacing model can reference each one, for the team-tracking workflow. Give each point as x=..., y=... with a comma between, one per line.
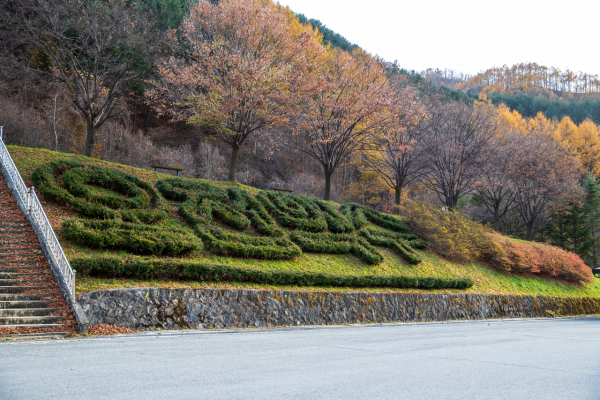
x=486, y=280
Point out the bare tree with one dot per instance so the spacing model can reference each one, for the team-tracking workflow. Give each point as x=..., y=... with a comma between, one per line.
x=394, y=154
x=498, y=184
x=545, y=172
x=459, y=139
x=99, y=50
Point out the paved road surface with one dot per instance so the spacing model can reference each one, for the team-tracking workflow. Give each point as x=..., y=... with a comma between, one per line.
x=522, y=359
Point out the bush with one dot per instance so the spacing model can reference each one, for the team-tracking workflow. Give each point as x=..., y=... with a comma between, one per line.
x=539, y=259
x=401, y=247
x=337, y=222
x=353, y=213
x=116, y=267
x=360, y=215
x=338, y=244
x=291, y=213
x=180, y=190
x=134, y=238
x=243, y=245
x=259, y=217
x=122, y=191
x=449, y=233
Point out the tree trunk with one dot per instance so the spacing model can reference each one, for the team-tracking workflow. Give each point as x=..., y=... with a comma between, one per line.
x=529, y=235
x=233, y=166
x=327, y=193
x=398, y=195
x=90, y=140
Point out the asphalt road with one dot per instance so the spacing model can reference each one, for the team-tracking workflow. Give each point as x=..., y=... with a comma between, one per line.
x=521, y=359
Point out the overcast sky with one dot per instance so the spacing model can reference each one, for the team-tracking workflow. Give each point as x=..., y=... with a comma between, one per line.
x=466, y=35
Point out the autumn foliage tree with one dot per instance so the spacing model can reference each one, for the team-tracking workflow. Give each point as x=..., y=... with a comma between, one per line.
x=98, y=50
x=395, y=152
x=349, y=101
x=546, y=172
x=240, y=63
x=459, y=138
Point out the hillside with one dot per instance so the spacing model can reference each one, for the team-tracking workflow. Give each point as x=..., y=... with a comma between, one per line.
x=155, y=242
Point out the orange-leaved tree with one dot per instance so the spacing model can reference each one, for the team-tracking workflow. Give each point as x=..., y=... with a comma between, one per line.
x=394, y=153
x=350, y=100
x=240, y=61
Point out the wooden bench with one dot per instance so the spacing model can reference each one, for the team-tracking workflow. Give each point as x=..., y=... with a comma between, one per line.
x=282, y=190
x=169, y=168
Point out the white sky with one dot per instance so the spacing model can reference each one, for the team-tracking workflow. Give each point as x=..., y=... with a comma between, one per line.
x=466, y=35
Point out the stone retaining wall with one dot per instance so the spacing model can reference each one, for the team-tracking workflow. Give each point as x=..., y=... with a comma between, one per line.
x=149, y=309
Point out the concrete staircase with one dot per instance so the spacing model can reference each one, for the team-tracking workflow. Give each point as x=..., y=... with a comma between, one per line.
x=27, y=286
x=31, y=303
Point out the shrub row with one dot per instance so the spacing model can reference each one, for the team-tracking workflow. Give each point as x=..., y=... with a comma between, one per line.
x=398, y=245
x=536, y=258
x=199, y=207
x=287, y=210
x=126, y=192
x=410, y=238
x=243, y=245
x=259, y=217
x=116, y=267
x=354, y=214
x=336, y=221
x=337, y=243
x=180, y=190
x=134, y=238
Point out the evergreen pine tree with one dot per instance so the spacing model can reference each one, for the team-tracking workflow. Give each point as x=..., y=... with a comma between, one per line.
x=592, y=211
x=570, y=228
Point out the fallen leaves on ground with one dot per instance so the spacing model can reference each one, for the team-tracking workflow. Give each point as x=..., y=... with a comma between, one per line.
x=108, y=330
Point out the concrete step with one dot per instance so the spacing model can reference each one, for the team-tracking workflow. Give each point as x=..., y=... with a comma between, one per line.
x=19, y=289
x=20, y=304
x=13, y=282
x=49, y=335
x=14, y=268
x=8, y=231
x=21, y=221
x=23, y=244
x=26, y=312
x=19, y=261
x=14, y=275
x=27, y=321
x=21, y=248
x=7, y=255
x=30, y=326
x=16, y=297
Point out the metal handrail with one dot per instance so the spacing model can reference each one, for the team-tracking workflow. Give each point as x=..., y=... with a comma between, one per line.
x=32, y=204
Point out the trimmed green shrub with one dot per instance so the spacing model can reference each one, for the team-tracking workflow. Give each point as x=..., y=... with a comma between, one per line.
x=354, y=214
x=398, y=245
x=337, y=243
x=243, y=245
x=97, y=192
x=134, y=238
x=291, y=212
x=116, y=267
x=177, y=189
x=259, y=217
x=337, y=222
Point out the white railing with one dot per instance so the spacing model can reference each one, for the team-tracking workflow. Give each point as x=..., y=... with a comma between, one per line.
x=32, y=204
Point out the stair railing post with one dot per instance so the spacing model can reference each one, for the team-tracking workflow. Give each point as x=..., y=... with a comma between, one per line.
x=1, y=127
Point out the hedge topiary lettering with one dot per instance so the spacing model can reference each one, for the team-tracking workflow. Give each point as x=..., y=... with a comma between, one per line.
x=143, y=268
x=98, y=192
x=401, y=247
x=243, y=245
x=134, y=238
x=291, y=213
x=336, y=243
